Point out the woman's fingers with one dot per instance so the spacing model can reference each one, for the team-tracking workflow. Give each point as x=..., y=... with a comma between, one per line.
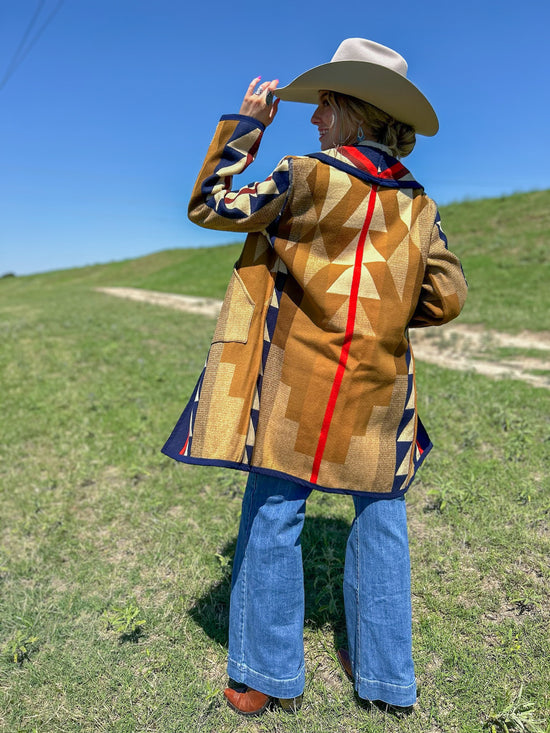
x=259, y=101
x=252, y=85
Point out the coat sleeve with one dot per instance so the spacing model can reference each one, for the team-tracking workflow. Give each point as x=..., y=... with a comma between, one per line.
x=444, y=286
x=214, y=205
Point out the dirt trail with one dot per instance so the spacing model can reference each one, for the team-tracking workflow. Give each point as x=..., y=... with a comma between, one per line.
x=455, y=346
x=471, y=348
x=204, y=306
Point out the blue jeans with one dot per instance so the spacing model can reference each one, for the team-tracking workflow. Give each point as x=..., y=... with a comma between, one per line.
x=266, y=618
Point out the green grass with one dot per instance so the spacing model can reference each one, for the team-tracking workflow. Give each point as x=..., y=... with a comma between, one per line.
x=503, y=244
x=200, y=272
x=115, y=561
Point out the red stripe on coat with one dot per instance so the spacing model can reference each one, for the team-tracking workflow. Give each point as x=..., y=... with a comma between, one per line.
x=182, y=451
x=396, y=171
x=344, y=353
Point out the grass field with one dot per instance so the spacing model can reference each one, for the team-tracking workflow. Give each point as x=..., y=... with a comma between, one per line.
x=115, y=561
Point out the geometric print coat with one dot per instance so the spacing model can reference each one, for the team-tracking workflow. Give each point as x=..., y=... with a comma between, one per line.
x=310, y=374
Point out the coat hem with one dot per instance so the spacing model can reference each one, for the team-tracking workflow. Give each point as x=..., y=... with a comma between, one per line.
x=222, y=463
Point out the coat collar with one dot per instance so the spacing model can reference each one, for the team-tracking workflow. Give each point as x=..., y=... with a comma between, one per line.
x=371, y=163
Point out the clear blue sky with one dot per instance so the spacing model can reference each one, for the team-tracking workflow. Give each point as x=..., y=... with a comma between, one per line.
x=104, y=124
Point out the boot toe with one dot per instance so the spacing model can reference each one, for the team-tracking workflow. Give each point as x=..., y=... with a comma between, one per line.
x=250, y=702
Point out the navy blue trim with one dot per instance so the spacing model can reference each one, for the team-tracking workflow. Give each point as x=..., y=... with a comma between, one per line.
x=272, y=228
x=443, y=238
x=257, y=202
x=252, y=121
x=422, y=435
x=326, y=489
x=421, y=460
x=220, y=463
x=363, y=175
x=182, y=429
x=442, y=234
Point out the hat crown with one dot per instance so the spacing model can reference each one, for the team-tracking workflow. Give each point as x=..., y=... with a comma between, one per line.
x=361, y=49
x=373, y=73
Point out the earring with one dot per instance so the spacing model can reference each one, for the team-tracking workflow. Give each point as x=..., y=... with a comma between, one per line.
x=360, y=134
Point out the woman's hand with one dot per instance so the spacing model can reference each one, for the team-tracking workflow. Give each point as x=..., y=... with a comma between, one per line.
x=260, y=104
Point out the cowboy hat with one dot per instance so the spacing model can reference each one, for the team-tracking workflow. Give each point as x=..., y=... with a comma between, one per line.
x=373, y=73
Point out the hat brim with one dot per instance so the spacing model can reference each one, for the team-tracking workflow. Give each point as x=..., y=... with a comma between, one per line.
x=378, y=85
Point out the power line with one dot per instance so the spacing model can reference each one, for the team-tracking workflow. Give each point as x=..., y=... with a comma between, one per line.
x=21, y=52
x=13, y=63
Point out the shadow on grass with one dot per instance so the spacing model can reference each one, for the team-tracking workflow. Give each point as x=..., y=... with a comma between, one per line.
x=323, y=548
x=131, y=636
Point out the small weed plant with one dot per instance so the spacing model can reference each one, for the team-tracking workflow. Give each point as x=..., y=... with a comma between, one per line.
x=21, y=645
x=517, y=717
x=125, y=620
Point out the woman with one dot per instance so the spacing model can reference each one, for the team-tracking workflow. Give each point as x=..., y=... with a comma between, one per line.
x=309, y=382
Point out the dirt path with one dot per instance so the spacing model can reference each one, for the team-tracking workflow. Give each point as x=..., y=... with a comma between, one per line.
x=455, y=346
x=471, y=348
x=203, y=306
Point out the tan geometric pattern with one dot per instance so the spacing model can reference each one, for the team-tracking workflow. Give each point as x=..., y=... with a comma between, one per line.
x=310, y=374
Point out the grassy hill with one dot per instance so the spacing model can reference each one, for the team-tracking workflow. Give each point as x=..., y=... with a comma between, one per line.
x=504, y=246
x=115, y=561
x=204, y=271
x=502, y=242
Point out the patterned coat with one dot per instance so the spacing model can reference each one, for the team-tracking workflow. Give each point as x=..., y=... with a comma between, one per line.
x=310, y=375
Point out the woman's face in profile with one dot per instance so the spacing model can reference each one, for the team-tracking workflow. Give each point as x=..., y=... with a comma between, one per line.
x=323, y=118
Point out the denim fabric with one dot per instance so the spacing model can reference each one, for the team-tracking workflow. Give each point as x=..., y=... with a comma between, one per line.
x=377, y=600
x=266, y=616
x=266, y=650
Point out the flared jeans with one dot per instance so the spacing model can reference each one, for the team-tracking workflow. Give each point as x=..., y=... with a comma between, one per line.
x=266, y=618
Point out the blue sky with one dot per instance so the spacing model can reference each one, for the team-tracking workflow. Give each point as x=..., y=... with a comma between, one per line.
x=105, y=123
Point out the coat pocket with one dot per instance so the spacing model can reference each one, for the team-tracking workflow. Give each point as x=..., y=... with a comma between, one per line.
x=236, y=313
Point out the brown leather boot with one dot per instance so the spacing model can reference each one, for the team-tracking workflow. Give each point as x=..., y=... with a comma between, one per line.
x=252, y=702
x=345, y=662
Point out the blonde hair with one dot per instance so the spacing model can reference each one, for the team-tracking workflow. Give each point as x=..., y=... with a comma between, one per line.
x=353, y=115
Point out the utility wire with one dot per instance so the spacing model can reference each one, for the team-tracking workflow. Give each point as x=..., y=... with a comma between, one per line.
x=13, y=63
x=21, y=52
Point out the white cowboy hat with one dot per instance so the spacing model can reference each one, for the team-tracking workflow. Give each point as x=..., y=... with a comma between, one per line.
x=373, y=73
